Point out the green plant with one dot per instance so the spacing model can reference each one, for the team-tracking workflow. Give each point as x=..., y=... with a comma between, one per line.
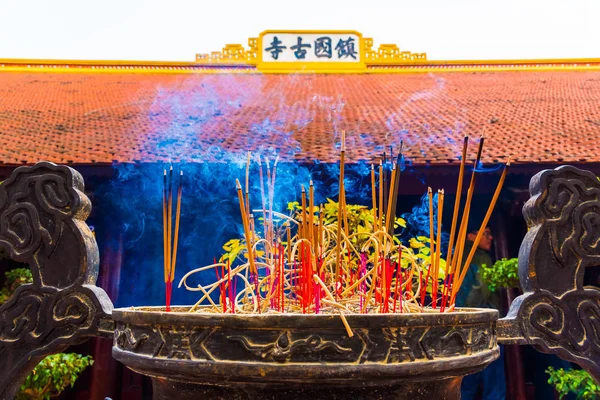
x=503, y=274
x=53, y=375
x=574, y=381
x=14, y=279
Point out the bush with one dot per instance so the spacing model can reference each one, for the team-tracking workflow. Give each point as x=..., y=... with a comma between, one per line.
x=14, y=279
x=574, y=381
x=503, y=274
x=54, y=373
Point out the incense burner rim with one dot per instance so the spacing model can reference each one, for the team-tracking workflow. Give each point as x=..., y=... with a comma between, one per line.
x=180, y=316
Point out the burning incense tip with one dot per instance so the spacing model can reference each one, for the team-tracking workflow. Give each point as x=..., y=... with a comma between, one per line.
x=303, y=190
x=508, y=162
x=310, y=183
x=238, y=185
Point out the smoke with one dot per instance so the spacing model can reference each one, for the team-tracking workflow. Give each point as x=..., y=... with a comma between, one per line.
x=201, y=125
x=426, y=121
x=183, y=119
x=418, y=224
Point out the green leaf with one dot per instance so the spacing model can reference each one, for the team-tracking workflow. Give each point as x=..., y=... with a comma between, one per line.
x=578, y=382
x=503, y=274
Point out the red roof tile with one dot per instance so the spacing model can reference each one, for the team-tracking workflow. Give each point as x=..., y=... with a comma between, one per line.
x=542, y=117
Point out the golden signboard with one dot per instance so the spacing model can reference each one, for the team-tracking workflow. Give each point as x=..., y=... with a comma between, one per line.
x=322, y=51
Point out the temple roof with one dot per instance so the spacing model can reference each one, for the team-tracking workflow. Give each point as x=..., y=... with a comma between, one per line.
x=542, y=116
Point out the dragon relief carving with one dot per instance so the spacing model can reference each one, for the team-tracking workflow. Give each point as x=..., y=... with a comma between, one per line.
x=285, y=347
x=125, y=339
x=469, y=340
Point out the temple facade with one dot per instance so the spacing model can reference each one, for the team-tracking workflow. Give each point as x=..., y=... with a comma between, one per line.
x=290, y=94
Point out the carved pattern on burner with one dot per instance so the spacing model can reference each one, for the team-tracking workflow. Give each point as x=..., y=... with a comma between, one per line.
x=170, y=342
x=42, y=214
x=285, y=346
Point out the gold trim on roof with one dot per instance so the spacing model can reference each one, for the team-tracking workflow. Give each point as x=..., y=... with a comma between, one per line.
x=390, y=54
x=232, y=54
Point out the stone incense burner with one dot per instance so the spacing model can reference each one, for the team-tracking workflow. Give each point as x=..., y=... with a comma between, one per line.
x=408, y=356
x=201, y=355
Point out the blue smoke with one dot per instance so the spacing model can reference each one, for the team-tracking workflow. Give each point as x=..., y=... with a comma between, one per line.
x=180, y=118
x=417, y=222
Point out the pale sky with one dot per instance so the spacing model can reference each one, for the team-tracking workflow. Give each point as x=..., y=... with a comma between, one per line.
x=175, y=30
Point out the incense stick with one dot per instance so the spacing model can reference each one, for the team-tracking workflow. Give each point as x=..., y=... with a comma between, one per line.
x=480, y=232
x=389, y=224
x=165, y=228
x=462, y=233
x=374, y=198
x=457, y=199
x=248, y=185
x=340, y=211
x=177, y=218
x=262, y=196
x=438, y=246
x=449, y=257
x=170, y=218
x=432, y=244
x=246, y=228
x=311, y=205
x=380, y=195
x=304, y=224
x=396, y=183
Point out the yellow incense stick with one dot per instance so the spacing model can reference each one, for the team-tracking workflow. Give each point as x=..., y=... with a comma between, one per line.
x=459, y=185
x=177, y=218
x=248, y=185
x=246, y=228
x=380, y=194
x=389, y=224
x=431, y=242
x=304, y=222
x=311, y=222
x=170, y=221
x=438, y=246
x=340, y=217
x=481, y=231
x=165, y=228
x=374, y=198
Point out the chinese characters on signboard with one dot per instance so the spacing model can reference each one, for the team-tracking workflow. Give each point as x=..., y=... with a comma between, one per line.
x=287, y=47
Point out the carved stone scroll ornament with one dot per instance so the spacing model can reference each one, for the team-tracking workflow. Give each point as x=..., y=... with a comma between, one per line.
x=556, y=313
x=42, y=222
